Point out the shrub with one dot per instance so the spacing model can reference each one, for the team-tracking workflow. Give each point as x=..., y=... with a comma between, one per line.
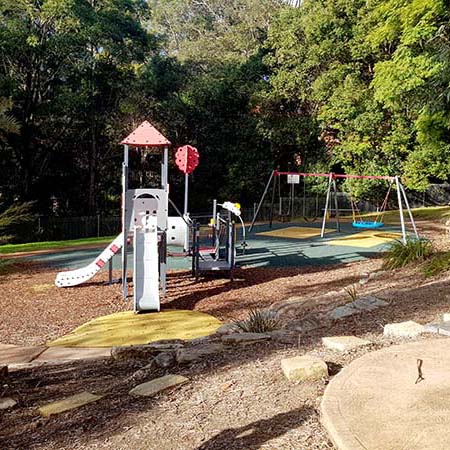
x=401, y=254
x=260, y=321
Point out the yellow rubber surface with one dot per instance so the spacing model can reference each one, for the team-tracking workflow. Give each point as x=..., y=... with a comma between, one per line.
x=295, y=232
x=128, y=328
x=366, y=239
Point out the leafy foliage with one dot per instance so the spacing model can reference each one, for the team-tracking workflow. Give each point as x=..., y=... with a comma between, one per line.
x=402, y=254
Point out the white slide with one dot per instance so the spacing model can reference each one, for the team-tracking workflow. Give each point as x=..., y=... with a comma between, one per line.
x=80, y=276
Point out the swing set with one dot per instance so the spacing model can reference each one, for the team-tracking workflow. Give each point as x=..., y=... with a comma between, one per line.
x=358, y=220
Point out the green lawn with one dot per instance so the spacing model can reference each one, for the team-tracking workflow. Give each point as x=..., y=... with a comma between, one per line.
x=33, y=246
x=427, y=213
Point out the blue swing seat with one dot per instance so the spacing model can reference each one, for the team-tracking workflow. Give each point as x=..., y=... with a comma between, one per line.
x=367, y=225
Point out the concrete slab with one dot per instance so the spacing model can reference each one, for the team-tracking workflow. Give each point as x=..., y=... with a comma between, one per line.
x=304, y=368
x=378, y=402
x=344, y=343
x=15, y=354
x=438, y=328
x=75, y=401
x=157, y=385
x=407, y=329
x=72, y=354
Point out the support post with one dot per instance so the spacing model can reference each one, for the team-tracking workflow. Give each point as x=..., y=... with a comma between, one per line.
x=336, y=206
x=186, y=193
x=324, y=220
x=214, y=223
x=261, y=201
x=411, y=218
x=124, y=224
x=272, y=203
x=400, y=208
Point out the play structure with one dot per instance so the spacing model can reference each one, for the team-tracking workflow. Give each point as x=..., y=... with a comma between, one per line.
x=221, y=255
x=358, y=221
x=147, y=225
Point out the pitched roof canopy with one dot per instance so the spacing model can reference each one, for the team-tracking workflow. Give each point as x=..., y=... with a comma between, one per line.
x=146, y=135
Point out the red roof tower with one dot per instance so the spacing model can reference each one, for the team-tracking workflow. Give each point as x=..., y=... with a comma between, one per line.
x=146, y=135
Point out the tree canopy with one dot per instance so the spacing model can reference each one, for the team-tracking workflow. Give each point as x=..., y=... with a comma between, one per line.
x=353, y=86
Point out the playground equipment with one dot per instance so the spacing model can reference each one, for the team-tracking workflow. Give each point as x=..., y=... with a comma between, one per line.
x=145, y=222
x=222, y=255
x=358, y=222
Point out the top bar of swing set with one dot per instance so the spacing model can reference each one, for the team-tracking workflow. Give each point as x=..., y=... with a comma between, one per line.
x=335, y=175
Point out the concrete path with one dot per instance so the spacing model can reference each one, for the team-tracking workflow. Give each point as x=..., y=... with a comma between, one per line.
x=380, y=402
x=17, y=357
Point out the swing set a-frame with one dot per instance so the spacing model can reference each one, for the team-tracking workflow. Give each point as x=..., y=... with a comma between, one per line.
x=358, y=220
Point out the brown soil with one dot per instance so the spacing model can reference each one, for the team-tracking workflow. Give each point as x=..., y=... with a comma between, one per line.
x=238, y=400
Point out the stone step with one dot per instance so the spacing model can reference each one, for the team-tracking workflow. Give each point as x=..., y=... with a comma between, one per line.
x=75, y=401
x=157, y=385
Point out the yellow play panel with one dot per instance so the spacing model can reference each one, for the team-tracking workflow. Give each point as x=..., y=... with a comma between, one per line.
x=366, y=239
x=295, y=232
x=128, y=328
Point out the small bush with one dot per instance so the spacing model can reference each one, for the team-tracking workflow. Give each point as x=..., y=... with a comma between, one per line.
x=438, y=263
x=400, y=254
x=260, y=321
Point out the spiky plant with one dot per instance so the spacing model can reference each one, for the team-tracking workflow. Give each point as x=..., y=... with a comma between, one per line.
x=352, y=292
x=260, y=321
x=401, y=254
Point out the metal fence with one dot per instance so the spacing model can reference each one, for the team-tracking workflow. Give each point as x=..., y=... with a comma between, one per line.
x=62, y=228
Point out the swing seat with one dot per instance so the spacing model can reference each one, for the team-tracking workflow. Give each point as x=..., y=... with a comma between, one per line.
x=367, y=225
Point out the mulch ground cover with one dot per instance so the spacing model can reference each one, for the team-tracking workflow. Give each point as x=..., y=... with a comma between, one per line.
x=236, y=400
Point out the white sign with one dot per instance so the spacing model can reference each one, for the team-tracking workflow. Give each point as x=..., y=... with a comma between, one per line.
x=293, y=179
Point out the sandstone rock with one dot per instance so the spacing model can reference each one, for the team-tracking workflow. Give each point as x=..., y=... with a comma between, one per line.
x=228, y=328
x=157, y=385
x=283, y=336
x=343, y=343
x=190, y=355
x=404, y=329
x=245, y=338
x=304, y=368
x=446, y=317
x=165, y=360
x=146, y=351
x=7, y=402
x=75, y=401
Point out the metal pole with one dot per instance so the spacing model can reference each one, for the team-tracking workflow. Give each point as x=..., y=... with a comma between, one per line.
x=186, y=193
x=324, y=221
x=214, y=223
x=124, y=224
x=272, y=202
x=411, y=218
x=261, y=201
x=336, y=207
x=400, y=208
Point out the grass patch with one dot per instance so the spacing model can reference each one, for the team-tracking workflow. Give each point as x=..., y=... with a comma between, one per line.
x=400, y=254
x=426, y=213
x=438, y=263
x=33, y=246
